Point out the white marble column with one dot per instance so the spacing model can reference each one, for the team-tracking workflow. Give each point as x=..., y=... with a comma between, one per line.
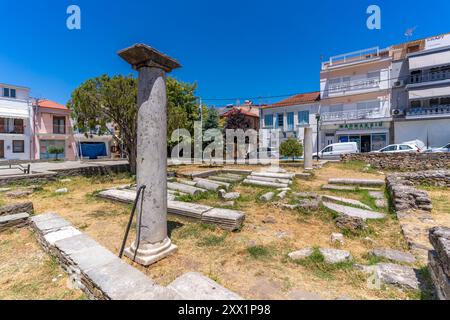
x=152, y=242
x=308, y=148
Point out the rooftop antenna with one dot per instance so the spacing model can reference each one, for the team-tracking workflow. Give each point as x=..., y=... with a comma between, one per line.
x=409, y=32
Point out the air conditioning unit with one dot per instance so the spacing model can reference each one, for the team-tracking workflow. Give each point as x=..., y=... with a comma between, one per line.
x=399, y=83
x=396, y=112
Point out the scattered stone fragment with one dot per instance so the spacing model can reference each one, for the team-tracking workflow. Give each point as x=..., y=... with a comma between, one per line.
x=358, y=182
x=265, y=184
x=346, y=201
x=309, y=204
x=337, y=239
x=353, y=212
x=63, y=190
x=227, y=204
x=269, y=220
x=301, y=254
x=339, y=188
x=5, y=190
x=228, y=196
x=15, y=220
x=282, y=234
x=345, y=222
x=18, y=193
x=381, y=203
x=284, y=189
x=334, y=256
x=397, y=275
x=17, y=208
x=66, y=180
x=184, y=188
x=289, y=206
x=282, y=194
x=187, y=182
x=376, y=194
x=306, y=195
x=303, y=175
x=210, y=185
x=267, y=197
x=394, y=255
x=195, y=286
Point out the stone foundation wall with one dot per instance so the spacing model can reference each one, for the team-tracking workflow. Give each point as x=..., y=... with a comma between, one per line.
x=406, y=196
x=402, y=161
x=439, y=261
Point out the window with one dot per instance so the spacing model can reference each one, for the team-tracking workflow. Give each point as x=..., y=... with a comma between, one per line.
x=6, y=92
x=416, y=104
x=389, y=148
x=59, y=125
x=12, y=93
x=290, y=121
x=337, y=108
x=18, y=146
x=18, y=126
x=3, y=125
x=303, y=117
x=328, y=149
x=445, y=101
x=268, y=120
x=405, y=147
x=280, y=121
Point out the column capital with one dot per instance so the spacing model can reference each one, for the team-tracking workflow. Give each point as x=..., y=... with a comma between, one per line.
x=141, y=55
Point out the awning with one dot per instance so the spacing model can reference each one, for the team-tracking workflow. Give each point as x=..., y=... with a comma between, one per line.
x=17, y=113
x=429, y=93
x=429, y=60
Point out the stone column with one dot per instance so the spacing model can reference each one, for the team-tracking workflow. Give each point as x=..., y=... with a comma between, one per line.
x=152, y=242
x=308, y=148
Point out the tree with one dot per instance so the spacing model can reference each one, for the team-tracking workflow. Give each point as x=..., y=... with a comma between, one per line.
x=104, y=100
x=237, y=120
x=212, y=119
x=291, y=148
x=55, y=150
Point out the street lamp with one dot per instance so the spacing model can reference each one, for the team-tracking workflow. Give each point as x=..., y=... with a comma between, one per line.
x=318, y=132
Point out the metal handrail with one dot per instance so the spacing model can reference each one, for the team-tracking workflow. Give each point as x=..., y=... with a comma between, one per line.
x=127, y=231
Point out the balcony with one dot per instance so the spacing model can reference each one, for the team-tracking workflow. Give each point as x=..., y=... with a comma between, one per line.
x=6, y=129
x=432, y=112
x=351, y=87
x=352, y=115
x=355, y=57
x=429, y=77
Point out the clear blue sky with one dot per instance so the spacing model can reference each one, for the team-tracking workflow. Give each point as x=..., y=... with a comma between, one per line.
x=231, y=48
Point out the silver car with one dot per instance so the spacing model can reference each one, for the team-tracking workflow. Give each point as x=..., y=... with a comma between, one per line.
x=445, y=148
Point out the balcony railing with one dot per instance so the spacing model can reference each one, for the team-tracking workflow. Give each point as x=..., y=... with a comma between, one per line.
x=441, y=110
x=355, y=85
x=352, y=115
x=352, y=57
x=11, y=129
x=428, y=77
x=59, y=129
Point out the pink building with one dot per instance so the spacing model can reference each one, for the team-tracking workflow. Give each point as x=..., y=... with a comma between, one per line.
x=53, y=128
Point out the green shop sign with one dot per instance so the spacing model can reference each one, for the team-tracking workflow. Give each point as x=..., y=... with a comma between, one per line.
x=358, y=126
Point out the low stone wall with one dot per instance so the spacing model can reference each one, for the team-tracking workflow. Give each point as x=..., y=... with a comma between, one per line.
x=53, y=175
x=402, y=161
x=24, y=207
x=439, y=261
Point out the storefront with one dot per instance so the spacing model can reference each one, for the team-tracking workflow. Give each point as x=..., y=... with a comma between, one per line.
x=370, y=136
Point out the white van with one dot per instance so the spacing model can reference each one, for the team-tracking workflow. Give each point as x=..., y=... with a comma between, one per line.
x=334, y=151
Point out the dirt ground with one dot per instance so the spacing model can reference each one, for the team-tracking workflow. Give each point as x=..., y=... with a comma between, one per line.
x=253, y=261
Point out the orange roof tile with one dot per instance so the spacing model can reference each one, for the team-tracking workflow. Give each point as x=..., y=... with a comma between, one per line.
x=51, y=104
x=303, y=98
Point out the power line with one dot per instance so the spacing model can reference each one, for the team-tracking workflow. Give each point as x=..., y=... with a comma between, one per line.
x=298, y=93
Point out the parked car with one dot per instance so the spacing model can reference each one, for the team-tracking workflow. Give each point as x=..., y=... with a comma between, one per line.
x=445, y=148
x=400, y=148
x=334, y=151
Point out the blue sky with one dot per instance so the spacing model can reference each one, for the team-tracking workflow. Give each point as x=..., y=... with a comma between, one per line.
x=233, y=49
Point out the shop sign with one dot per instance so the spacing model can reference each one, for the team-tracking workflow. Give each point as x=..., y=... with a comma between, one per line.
x=359, y=126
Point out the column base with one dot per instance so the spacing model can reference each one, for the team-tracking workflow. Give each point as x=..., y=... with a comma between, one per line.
x=148, y=253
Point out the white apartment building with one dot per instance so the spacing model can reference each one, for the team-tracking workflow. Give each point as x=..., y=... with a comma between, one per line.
x=290, y=117
x=15, y=123
x=421, y=91
x=356, y=99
